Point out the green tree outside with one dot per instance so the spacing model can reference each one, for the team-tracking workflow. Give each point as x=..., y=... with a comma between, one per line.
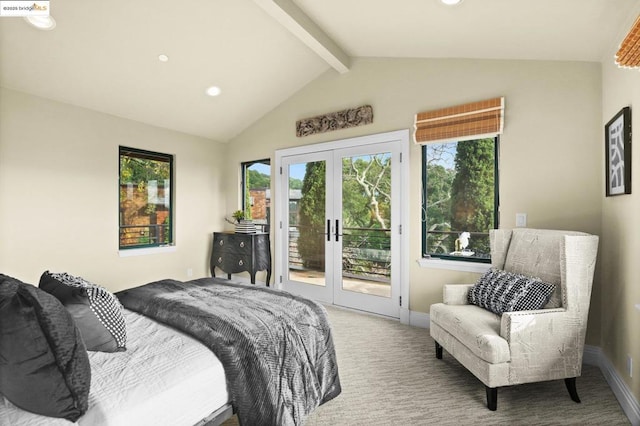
x=312, y=216
x=247, y=194
x=139, y=171
x=460, y=187
x=438, y=213
x=366, y=199
x=472, y=190
x=257, y=180
x=366, y=191
x=295, y=183
x=135, y=208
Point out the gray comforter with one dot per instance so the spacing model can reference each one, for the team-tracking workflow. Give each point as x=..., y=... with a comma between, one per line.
x=276, y=348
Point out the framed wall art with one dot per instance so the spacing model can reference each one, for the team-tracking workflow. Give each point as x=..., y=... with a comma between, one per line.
x=617, y=134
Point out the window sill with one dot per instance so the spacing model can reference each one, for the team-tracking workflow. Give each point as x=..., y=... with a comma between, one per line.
x=145, y=251
x=454, y=265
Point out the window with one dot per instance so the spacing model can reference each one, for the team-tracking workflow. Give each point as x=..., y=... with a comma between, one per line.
x=256, y=192
x=460, y=181
x=146, y=199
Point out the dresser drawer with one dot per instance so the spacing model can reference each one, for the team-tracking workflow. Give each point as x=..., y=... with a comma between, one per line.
x=232, y=265
x=229, y=244
x=231, y=255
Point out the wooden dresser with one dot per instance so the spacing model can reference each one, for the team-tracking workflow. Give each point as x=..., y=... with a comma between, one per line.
x=234, y=253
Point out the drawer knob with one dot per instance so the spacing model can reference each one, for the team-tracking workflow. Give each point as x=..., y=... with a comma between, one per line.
x=240, y=262
x=241, y=243
x=220, y=260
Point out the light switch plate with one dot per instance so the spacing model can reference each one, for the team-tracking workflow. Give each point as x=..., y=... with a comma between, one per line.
x=521, y=220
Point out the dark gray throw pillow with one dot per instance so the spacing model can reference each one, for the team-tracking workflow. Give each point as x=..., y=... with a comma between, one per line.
x=501, y=291
x=44, y=366
x=97, y=312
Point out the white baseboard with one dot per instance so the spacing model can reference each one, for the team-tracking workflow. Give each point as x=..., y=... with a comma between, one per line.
x=592, y=355
x=623, y=394
x=419, y=319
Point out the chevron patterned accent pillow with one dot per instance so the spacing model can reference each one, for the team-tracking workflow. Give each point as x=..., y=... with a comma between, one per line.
x=96, y=311
x=501, y=291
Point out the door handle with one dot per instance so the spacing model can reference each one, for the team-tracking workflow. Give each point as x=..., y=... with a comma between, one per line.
x=337, y=228
x=328, y=230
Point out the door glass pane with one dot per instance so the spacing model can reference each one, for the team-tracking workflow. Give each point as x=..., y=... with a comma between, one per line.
x=366, y=223
x=257, y=193
x=307, y=222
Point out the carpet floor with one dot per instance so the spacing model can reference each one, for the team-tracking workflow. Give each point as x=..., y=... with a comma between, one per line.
x=390, y=376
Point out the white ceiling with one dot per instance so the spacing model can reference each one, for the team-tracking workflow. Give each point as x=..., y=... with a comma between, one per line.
x=103, y=55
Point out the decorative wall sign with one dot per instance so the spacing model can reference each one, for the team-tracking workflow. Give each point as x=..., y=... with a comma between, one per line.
x=344, y=119
x=617, y=134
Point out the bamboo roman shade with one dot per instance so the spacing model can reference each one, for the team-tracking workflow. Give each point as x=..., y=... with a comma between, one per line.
x=628, y=55
x=474, y=120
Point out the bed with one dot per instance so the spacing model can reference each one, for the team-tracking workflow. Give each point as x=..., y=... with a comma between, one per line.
x=198, y=351
x=162, y=367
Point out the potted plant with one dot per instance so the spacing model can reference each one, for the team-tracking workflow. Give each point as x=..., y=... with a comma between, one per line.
x=238, y=215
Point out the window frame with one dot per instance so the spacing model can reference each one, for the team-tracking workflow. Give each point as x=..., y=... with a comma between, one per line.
x=155, y=156
x=496, y=204
x=244, y=166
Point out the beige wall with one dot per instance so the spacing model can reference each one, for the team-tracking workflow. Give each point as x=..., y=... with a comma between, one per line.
x=621, y=238
x=550, y=152
x=59, y=194
x=53, y=154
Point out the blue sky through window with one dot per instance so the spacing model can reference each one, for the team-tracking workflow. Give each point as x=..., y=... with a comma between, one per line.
x=297, y=170
x=261, y=168
x=443, y=154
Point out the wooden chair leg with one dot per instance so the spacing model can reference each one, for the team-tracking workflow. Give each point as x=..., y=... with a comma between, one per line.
x=571, y=387
x=492, y=398
x=438, y=351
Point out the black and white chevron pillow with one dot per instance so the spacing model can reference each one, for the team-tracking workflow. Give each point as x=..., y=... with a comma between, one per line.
x=97, y=311
x=501, y=291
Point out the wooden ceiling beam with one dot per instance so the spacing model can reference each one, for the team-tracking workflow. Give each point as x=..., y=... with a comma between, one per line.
x=289, y=15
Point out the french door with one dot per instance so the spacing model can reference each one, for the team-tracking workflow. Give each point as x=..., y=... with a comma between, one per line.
x=340, y=232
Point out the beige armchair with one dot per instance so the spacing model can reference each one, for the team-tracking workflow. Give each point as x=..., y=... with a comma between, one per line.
x=525, y=346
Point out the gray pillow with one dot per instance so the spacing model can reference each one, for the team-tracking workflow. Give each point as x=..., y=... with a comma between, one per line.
x=501, y=291
x=96, y=311
x=44, y=366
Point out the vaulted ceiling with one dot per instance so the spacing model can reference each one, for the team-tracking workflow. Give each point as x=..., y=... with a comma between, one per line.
x=103, y=55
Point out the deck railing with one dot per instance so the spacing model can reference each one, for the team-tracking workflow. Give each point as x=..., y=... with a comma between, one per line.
x=143, y=235
x=366, y=252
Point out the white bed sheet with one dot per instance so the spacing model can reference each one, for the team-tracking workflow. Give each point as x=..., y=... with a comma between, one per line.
x=165, y=377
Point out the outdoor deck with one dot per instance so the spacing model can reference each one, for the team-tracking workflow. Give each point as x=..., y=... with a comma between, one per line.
x=350, y=284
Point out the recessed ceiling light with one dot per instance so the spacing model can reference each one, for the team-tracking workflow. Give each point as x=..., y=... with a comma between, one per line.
x=451, y=2
x=163, y=58
x=41, y=22
x=213, y=91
